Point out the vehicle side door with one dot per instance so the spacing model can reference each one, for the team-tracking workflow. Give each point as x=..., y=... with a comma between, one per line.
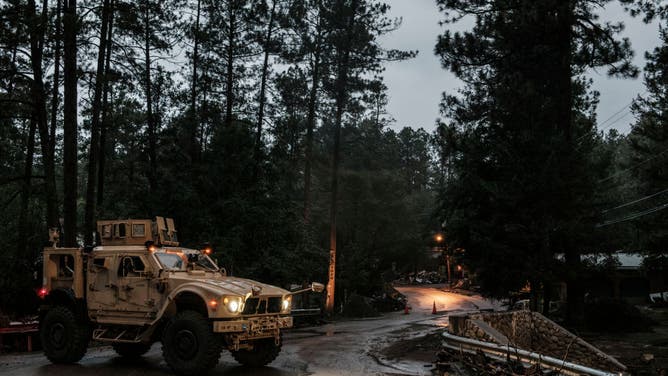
x=136, y=291
x=101, y=284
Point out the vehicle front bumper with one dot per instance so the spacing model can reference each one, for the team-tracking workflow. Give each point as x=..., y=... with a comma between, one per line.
x=254, y=326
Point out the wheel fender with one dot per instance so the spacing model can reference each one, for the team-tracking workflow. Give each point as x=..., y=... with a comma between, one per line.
x=61, y=296
x=169, y=308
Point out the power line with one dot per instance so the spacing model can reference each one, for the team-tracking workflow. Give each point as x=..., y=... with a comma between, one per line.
x=634, y=201
x=634, y=166
x=620, y=110
x=602, y=126
x=635, y=215
x=616, y=113
x=627, y=113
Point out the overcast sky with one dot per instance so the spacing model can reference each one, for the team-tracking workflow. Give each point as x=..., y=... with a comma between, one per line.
x=415, y=86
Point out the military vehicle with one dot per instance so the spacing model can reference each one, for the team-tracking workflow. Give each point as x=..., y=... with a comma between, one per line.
x=139, y=287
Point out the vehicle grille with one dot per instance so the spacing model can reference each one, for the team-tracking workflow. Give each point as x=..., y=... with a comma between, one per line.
x=258, y=306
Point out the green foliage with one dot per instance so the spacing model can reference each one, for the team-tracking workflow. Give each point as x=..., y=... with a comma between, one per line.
x=517, y=145
x=648, y=143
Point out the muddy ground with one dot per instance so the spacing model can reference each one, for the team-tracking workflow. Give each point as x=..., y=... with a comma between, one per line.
x=420, y=349
x=644, y=353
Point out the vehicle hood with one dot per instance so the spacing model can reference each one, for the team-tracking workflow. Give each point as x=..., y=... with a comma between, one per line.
x=231, y=286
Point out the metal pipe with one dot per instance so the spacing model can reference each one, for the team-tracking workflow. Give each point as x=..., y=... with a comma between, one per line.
x=525, y=356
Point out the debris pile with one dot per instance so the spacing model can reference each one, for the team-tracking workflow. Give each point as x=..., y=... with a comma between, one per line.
x=454, y=362
x=420, y=278
x=388, y=300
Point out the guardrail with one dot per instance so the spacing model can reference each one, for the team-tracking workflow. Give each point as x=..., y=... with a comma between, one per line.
x=19, y=329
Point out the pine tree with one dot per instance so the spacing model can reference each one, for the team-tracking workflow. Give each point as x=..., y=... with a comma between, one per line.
x=70, y=127
x=521, y=192
x=649, y=144
x=96, y=109
x=306, y=46
x=355, y=25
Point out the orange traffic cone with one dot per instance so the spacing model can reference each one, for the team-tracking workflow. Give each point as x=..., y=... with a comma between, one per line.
x=406, y=311
x=433, y=310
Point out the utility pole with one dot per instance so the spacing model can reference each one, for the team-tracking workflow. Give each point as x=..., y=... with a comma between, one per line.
x=440, y=245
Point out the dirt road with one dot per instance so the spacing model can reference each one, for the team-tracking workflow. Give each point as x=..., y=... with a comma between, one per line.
x=340, y=348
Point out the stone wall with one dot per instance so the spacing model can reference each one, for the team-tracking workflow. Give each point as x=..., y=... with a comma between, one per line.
x=534, y=332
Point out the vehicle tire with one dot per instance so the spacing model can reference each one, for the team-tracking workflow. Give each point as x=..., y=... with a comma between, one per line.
x=189, y=345
x=264, y=352
x=131, y=350
x=64, y=338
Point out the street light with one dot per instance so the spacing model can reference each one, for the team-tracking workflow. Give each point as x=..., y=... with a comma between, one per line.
x=444, y=248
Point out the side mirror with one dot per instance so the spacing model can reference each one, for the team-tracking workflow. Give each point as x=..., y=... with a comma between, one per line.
x=317, y=287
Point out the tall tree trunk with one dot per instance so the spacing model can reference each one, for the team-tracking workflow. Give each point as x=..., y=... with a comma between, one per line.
x=331, y=284
x=12, y=79
x=310, y=126
x=26, y=191
x=565, y=21
x=94, y=150
x=37, y=33
x=105, y=114
x=194, y=147
x=49, y=139
x=39, y=115
x=150, y=121
x=70, y=130
x=341, y=102
x=204, y=119
x=263, y=87
x=230, y=67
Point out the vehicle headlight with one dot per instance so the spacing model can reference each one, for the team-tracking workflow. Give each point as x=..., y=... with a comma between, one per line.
x=287, y=302
x=233, y=305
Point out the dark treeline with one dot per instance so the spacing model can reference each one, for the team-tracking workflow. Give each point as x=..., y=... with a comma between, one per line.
x=531, y=180
x=260, y=126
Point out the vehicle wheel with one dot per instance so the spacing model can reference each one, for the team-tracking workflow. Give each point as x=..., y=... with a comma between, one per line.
x=64, y=338
x=131, y=350
x=189, y=345
x=264, y=352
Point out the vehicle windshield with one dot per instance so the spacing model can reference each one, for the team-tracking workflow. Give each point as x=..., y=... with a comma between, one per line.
x=183, y=260
x=204, y=262
x=171, y=261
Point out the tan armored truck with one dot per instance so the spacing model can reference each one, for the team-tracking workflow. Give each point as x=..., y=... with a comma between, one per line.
x=139, y=287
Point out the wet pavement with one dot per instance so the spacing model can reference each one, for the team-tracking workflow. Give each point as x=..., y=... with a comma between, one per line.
x=350, y=347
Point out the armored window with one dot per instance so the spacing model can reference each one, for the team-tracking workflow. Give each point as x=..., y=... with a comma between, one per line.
x=121, y=230
x=131, y=266
x=99, y=261
x=138, y=230
x=106, y=231
x=138, y=263
x=65, y=266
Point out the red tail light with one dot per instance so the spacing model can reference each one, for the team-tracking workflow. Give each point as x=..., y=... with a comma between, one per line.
x=42, y=292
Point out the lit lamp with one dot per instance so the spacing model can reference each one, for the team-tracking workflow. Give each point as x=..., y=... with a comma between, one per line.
x=439, y=240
